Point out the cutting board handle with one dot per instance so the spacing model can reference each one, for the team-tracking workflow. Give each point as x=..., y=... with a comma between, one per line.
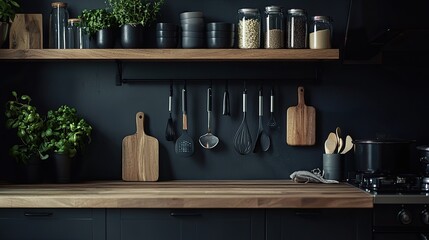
x=301, y=101
x=140, y=122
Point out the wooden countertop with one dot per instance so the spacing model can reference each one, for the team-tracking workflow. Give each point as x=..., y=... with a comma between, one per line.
x=185, y=194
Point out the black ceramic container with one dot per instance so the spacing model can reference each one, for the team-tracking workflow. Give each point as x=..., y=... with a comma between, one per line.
x=132, y=36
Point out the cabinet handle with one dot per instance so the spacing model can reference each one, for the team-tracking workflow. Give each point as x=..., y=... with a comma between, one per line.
x=38, y=214
x=309, y=213
x=185, y=214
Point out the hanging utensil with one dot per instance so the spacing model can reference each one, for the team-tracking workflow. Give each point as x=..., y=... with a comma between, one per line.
x=225, y=102
x=272, y=122
x=242, y=138
x=170, y=132
x=184, y=144
x=208, y=140
x=263, y=141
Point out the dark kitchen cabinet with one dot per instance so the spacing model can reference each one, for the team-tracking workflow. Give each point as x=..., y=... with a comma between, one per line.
x=52, y=224
x=310, y=224
x=189, y=224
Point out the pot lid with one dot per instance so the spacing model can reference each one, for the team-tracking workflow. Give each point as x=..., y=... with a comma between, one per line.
x=383, y=141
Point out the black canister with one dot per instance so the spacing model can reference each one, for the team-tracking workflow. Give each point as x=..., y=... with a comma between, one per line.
x=387, y=156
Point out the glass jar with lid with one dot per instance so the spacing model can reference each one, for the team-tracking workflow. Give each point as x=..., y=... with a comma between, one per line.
x=274, y=27
x=249, y=28
x=296, y=28
x=320, y=36
x=58, y=25
x=72, y=30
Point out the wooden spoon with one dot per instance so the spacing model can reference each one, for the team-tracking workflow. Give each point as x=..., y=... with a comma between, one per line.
x=338, y=137
x=330, y=143
x=349, y=145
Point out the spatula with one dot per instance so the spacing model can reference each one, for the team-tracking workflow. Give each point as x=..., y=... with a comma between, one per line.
x=331, y=143
x=184, y=144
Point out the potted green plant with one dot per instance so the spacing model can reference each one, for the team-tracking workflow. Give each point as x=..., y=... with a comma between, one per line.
x=29, y=124
x=100, y=23
x=66, y=134
x=8, y=9
x=132, y=16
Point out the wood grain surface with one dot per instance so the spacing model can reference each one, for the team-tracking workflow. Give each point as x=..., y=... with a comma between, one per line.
x=171, y=54
x=26, y=32
x=185, y=194
x=301, y=123
x=140, y=155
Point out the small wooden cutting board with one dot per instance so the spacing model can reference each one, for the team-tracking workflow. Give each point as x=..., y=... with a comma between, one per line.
x=26, y=32
x=301, y=123
x=140, y=155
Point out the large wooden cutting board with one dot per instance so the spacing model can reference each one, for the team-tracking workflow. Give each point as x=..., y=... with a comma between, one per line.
x=301, y=123
x=140, y=155
x=26, y=32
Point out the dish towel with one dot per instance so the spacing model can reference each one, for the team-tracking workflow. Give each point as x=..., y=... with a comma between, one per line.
x=315, y=176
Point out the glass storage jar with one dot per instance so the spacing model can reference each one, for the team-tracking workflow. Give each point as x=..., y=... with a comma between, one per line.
x=72, y=29
x=297, y=28
x=58, y=25
x=274, y=27
x=77, y=37
x=249, y=28
x=320, y=36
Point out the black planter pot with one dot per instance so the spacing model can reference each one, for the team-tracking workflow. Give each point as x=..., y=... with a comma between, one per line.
x=132, y=36
x=33, y=170
x=63, y=168
x=105, y=38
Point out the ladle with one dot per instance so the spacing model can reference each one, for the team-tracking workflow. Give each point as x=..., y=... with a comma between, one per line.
x=208, y=140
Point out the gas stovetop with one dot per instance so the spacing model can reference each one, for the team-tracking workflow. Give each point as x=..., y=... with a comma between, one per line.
x=394, y=189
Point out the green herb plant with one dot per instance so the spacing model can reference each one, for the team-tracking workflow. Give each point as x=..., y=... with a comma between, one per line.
x=135, y=12
x=29, y=124
x=97, y=19
x=8, y=9
x=66, y=132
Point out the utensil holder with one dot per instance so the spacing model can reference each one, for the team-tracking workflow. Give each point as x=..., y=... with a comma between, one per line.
x=333, y=166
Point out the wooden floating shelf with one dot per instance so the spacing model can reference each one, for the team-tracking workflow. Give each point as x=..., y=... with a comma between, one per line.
x=171, y=54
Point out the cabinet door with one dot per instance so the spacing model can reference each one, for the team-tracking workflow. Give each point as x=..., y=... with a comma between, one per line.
x=47, y=224
x=310, y=224
x=185, y=224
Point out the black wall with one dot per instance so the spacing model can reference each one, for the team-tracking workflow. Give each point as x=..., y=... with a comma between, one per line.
x=366, y=101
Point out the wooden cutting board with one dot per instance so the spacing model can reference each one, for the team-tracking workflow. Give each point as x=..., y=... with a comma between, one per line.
x=26, y=32
x=301, y=123
x=140, y=155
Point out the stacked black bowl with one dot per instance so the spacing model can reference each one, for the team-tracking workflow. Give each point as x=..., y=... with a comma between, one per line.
x=220, y=35
x=166, y=35
x=192, y=29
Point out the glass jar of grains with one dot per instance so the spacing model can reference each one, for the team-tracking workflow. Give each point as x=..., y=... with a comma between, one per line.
x=274, y=27
x=296, y=28
x=249, y=28
x=320, y=36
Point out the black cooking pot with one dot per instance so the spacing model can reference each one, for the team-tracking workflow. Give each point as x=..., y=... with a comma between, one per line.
x=423, y=153
x=387, y=156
